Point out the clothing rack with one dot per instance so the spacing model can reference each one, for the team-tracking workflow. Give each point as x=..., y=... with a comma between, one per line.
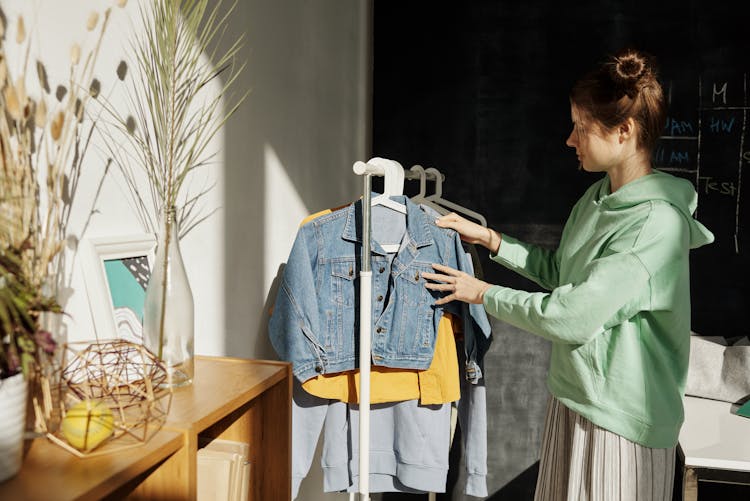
x=394, y=176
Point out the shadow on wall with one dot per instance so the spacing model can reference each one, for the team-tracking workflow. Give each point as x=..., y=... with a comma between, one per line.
x=263, y=348
x=520, y=488
x=304, y=69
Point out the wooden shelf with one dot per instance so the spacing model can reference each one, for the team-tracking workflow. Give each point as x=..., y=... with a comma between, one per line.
x=233, y=399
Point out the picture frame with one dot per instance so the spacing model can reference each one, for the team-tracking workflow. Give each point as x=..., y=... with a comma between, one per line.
x=118, y=272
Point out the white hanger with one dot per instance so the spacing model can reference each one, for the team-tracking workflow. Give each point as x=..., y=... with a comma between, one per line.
x=436, y=198
x=393, y=183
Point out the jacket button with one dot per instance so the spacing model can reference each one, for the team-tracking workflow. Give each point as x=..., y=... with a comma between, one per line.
x=380, y=297
x=416, y=277
x=318, y=368
x=382, y=269
x=351, y=271
x=379, y=330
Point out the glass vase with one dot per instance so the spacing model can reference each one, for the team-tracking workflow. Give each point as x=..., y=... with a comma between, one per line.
x=168, y=309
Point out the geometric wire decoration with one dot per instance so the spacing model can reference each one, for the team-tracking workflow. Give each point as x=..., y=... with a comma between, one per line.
x=127, y=378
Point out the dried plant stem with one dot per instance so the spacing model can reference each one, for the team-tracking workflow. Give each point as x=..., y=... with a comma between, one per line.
x=168, y=222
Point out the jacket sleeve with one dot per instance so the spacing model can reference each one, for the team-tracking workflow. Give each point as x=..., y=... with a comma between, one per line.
x=614, y=286
x=531, y=261
x=476, y=326
x=294, y=324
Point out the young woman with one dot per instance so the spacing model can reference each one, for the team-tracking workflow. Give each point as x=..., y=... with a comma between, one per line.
x=618, y=307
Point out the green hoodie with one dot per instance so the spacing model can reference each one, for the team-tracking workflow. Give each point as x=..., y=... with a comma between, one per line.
x=618, y=313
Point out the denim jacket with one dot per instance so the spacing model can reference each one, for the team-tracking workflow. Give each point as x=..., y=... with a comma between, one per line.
x=315, y=322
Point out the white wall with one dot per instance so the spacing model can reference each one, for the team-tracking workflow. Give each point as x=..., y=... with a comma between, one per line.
x=286, y=153
x=290, y=148
x=289, y=151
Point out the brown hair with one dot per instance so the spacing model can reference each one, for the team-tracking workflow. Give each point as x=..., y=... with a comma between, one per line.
x=624, y=86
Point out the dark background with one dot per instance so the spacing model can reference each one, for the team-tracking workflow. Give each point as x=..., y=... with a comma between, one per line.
x=479, y=90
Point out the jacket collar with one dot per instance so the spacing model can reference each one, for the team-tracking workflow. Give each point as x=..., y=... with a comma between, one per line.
x=418, y=233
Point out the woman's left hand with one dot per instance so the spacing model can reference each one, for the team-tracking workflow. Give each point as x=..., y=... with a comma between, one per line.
x=462, y=286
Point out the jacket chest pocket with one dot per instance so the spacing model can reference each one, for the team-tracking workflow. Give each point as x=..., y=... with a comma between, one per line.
x=413, y=292
x=343, y=274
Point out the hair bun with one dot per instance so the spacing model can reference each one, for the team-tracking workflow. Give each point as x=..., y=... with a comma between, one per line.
x=629, y=70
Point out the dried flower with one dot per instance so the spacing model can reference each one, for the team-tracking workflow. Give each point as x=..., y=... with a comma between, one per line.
x=93, y=19
x=41, y=71
x=40, y=115
x=41, y=160
x=21, y=92
x=122, y=3
x=55, y=128
x=21, y=33
x=11, y=103
x=75, y=54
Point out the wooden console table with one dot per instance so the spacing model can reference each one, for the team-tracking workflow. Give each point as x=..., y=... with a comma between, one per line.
x=233, y=399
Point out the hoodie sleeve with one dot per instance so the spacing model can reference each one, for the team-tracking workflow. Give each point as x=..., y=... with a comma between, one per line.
x=536, y=263
x=609, y=289
x=531, y=261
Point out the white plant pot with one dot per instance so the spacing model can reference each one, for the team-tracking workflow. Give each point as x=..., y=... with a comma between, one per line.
x=12, y=423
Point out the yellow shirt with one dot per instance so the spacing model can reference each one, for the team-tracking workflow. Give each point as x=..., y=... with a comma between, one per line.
x=439, y=384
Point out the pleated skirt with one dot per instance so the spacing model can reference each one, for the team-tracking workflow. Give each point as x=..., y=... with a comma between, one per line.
x=582, y=462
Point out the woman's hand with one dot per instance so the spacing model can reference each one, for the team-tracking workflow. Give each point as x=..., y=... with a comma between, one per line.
x=471, y=232
x=462, y=286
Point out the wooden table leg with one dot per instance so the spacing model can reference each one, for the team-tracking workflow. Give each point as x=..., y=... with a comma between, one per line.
x=689, y=485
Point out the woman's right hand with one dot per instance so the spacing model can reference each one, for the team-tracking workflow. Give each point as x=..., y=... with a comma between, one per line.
x=471, y=232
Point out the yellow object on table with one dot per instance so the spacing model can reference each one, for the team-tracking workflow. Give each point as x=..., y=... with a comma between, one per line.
x=87, y=424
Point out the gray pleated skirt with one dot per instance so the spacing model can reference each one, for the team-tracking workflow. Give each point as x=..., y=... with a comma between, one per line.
x=582, y=462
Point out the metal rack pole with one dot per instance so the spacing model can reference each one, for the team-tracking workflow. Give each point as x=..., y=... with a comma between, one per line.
x=365, y=329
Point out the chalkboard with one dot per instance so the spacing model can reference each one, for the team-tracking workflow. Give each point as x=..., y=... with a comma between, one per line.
x=479, y=90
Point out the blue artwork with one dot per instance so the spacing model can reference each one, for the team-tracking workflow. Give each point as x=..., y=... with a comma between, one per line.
x=127, y=279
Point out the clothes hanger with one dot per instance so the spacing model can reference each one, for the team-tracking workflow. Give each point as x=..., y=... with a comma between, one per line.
x=419, y=198
x=437, y=198
x=393, y=184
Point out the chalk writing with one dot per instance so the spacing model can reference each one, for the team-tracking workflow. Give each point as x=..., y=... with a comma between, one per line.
x=708, y=185
x=721, y=120
x=678, y=127
x=717, y=125
x=721, y=92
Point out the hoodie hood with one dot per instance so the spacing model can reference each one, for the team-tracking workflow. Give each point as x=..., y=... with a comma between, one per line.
x=659, y=186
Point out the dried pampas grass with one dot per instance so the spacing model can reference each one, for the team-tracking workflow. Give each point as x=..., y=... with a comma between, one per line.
x=42, y=145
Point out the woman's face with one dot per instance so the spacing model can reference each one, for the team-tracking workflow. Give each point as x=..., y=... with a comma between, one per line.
x=597, y=149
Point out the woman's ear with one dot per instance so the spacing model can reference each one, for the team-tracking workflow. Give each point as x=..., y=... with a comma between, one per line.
x=626, y=129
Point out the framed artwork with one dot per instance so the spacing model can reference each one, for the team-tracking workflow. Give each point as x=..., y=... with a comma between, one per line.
x=118, y=272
